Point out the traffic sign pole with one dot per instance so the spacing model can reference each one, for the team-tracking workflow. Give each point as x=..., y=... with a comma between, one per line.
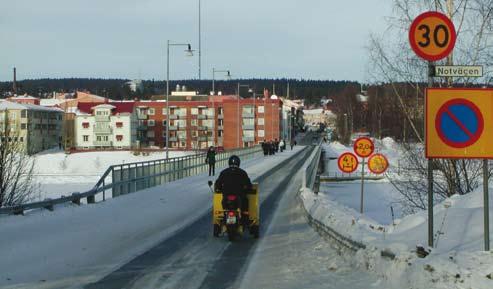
x=430, y=179
x=362, y=185
x=486, y=206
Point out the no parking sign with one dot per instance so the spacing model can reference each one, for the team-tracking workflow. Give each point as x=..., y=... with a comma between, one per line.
x=459, y=123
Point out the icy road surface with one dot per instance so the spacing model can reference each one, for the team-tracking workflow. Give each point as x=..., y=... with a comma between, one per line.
x=289, y=254
x=292, y=255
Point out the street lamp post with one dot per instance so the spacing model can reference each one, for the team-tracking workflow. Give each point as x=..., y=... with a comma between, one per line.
x=228, y=76
x=189, y=52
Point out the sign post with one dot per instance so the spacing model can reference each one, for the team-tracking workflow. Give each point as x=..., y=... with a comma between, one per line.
x=432, y=37
x=363, y=147
x=486, y=201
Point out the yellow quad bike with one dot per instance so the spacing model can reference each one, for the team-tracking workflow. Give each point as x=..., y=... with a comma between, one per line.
x=227, y=220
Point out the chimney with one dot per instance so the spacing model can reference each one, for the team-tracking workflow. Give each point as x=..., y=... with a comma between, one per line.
x=14, y=85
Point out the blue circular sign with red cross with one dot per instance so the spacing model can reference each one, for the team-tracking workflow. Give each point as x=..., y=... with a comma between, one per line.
x=459, y=123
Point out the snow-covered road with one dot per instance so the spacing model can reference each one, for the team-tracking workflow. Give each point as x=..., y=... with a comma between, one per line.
x=75, y=245
x=292, y=255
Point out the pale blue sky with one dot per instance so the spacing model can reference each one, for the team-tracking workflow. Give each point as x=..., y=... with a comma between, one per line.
x=319, y=39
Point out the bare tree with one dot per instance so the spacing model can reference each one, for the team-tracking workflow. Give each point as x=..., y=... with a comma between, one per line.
x=16, y=167
x=393, y=62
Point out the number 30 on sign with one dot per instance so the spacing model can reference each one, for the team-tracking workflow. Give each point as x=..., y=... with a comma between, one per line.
x=432, y=36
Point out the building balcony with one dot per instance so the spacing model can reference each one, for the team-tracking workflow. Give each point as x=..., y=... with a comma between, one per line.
x=102, y=130
x=173, y=116
x=248, y=127
x=141, y=116
x=220, y=116
x=248, y=138
x=173, y=138
x=203, y=116
x=201, y=127
x=142, y=127
x=103, y=143
x=173, y=127
x=220, y=127
x=248, y=115
x=182, y=128
x=205, y=138
x=102, y=118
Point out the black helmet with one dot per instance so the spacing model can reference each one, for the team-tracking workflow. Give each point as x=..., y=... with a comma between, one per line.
x=234, y=161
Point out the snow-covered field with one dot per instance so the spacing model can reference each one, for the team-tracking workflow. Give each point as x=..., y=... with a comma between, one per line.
x=457, y=259
x=57, y=174
x=73, y=245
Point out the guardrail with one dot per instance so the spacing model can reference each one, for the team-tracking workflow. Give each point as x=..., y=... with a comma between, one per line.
x=131, y=177
x=309, y=177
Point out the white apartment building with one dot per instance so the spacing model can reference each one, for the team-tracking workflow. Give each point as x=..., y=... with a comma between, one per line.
x=105, y=126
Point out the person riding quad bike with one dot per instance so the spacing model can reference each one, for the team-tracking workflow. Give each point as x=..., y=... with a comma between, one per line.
x=235, y=181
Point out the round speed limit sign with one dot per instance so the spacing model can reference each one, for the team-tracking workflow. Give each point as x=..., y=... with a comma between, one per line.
x=432, y=36
x=364, y=147
x=347, y=162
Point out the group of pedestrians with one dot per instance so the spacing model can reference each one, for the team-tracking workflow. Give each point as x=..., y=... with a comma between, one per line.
x=269, y=148
x=272, y=147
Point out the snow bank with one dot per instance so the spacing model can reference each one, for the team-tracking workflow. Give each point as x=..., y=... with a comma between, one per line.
x=457, y=261
x=79, y=172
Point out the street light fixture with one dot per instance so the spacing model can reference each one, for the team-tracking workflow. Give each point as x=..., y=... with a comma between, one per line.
x=228, y=77
x=189, y=52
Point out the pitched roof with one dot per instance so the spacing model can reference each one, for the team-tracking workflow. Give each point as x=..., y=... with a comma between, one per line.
x=119, y=107
x=4, y=105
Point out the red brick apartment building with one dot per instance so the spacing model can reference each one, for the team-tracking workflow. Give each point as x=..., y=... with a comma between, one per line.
x=198, y=122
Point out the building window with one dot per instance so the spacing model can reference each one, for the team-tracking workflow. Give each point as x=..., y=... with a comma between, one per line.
x=219, y=133
x=261, y=109
x=151, y=122
x=23, y=126
x=85, y=125
x=248, y=121
x=260, y=121
x=85, y=138
x=181, y=123
x=22, y=139
x=208, y=123
x=119, y=124
x=248, y=133
x=151, y=111
x=194, y=122
x=248, y=110
x=24, y=113
x=119, y=137
x=195, y=111
x=164, y=123
x=210, y=112
x=164, y=111
x=261, y=133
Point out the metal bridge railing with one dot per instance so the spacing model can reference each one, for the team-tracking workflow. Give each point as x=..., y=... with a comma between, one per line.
x=132, y=177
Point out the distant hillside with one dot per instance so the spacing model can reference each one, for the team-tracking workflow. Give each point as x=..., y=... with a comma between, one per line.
x=310, y=90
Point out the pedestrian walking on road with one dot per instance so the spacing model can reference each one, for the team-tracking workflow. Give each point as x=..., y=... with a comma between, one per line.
x=291, y=144
x=272, y=148
x=282, y=145
x=265, y=147
x=276, y=144
x=211, y=160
